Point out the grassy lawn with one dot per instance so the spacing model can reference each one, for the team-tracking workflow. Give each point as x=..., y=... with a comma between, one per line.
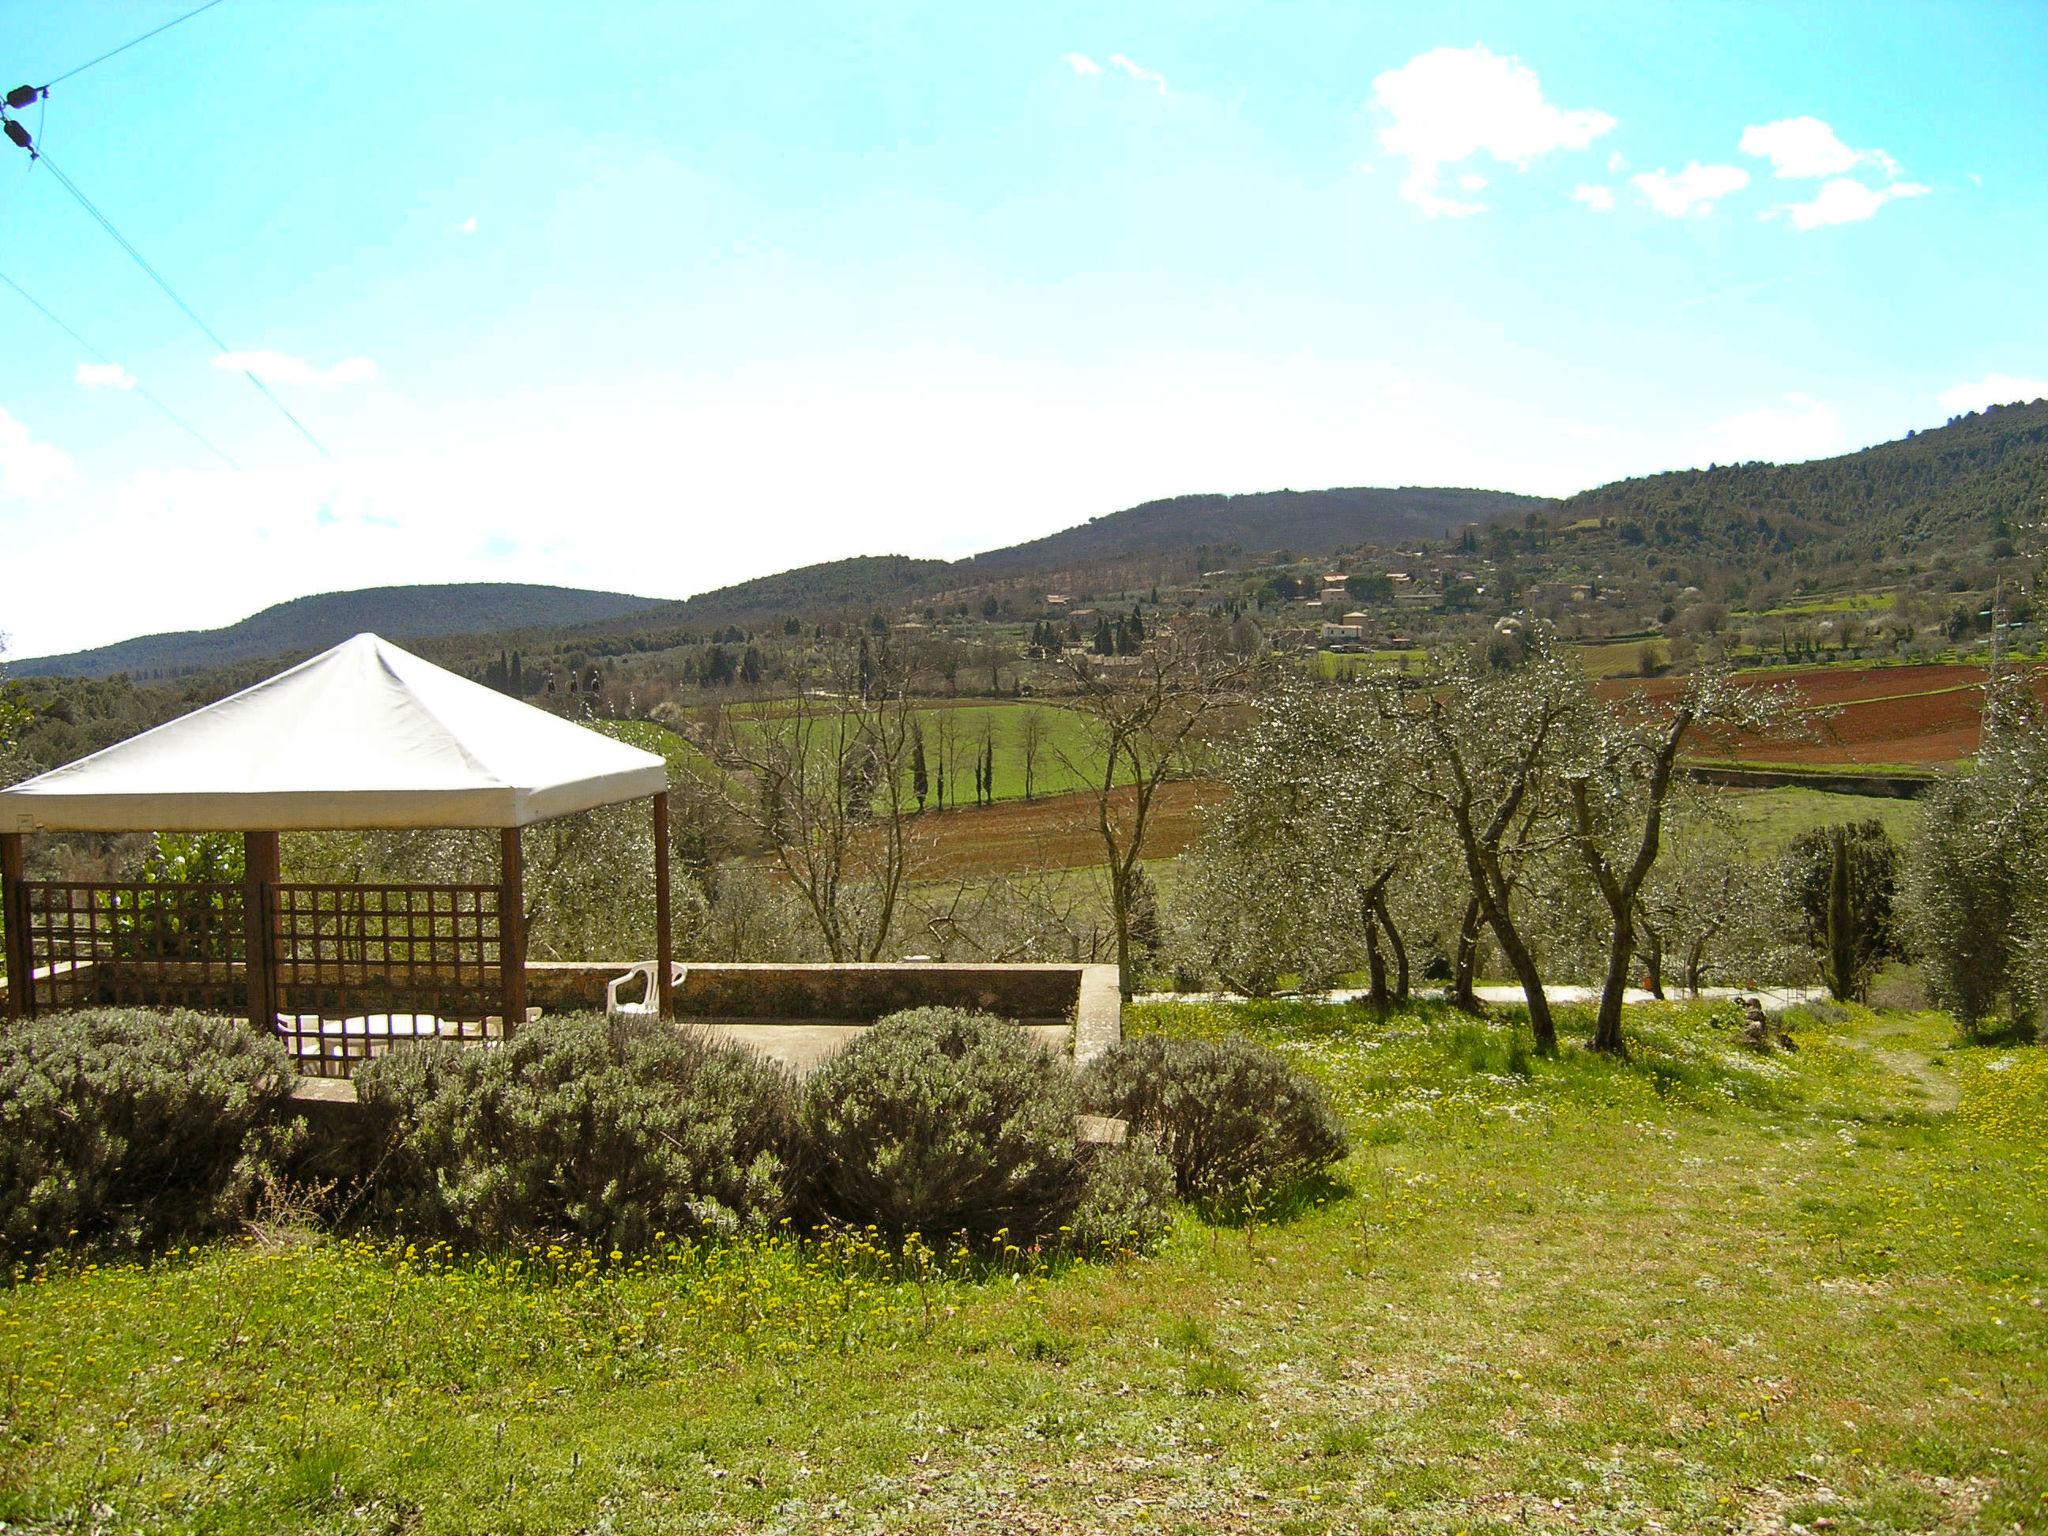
x=1699, y=1292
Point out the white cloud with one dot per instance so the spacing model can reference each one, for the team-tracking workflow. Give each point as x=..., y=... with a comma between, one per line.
x=283, y=368
x=1801, y=147
x=1807, y=149
x=102, y=376
x=1799, y=428
x=1449, y=104
x=1599, y=199
x=1472, y=182
x=1844, y=200
x=467, y=226
x=1139, y=72
x=1992, y=389
x=1616, y=162
x=1693, y=190
x=29, y=467
x=1081, y=64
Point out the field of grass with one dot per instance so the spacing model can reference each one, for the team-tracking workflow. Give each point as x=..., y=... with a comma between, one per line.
x=1771, y=818
x=1345, y=664
x=1702, y=1291
x=1616, y=658
x=1823, y=607
x=968, y=724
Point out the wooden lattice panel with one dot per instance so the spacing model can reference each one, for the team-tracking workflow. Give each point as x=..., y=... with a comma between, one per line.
x=358, y=968
x=172, y=945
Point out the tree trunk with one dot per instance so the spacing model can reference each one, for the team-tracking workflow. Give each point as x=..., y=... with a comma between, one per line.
x=1695, y=966
x=1524, y=964
x=1621, y=950
x=1375, y=964
x=1841, y=935
x=1466, y=960
x=1653, y=962
x=1386, y=922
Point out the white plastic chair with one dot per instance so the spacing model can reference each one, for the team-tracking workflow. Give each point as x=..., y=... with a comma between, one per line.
x=650, y=1000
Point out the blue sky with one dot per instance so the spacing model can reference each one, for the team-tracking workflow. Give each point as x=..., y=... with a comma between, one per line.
x=658, y=297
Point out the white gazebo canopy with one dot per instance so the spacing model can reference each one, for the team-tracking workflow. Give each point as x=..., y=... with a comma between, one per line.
x=363, y=736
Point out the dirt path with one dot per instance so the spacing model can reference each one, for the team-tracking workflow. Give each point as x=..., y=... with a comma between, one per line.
x=1895, y=1044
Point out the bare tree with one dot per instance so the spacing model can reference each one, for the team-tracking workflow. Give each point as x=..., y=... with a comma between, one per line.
x=1142, y=718
x=822, y=780
x=1030, y=743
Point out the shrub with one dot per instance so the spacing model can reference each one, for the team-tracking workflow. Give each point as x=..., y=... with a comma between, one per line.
x=132, y=1127
x=941, y=1121
x=1841, y=881
x=1126, y=1202
x=1229, y=1115
x=581, y=1128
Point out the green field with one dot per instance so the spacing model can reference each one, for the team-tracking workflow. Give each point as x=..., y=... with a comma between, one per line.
x=1823, y=607
x=1062, y=740
x=1771, y=818
x=1700, y=1292
x=1348, y=663
x=1617, y=658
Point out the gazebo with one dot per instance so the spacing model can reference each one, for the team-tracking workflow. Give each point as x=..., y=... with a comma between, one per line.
x=362, y=737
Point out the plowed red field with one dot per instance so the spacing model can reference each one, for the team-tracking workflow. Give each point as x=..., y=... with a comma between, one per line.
x=1882, y=715
x=1058, y=832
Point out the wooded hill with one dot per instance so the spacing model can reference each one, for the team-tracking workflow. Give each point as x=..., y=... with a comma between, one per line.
x=1305, y=522
x=308, y=624
x=1955, y=491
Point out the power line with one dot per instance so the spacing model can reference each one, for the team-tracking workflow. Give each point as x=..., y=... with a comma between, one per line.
x=172, y=294
x=210, y=4
x=48, y=314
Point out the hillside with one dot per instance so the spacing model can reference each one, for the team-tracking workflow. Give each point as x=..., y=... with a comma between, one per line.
x=863, y=581
x=308, y=624
x=1954, y=490
x=1306, y=522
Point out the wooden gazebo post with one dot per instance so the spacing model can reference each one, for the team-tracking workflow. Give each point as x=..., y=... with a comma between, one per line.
x=14, y=912
x=664, y=942
x=262, y=868
x=511, y=930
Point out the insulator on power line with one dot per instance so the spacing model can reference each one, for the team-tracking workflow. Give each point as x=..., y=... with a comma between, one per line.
x=22, y=96
x=20, y=135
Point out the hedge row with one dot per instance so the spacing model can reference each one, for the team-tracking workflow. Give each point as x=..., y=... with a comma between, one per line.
x=137, y=1128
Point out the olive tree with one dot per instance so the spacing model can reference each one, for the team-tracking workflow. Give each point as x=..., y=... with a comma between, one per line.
x=1710, y=910
x=1618, y=780
x=1976, y=871
x=1497, y=725
x=1297, y=868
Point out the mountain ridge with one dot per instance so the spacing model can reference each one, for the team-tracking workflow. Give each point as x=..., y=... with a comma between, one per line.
x=302, y=625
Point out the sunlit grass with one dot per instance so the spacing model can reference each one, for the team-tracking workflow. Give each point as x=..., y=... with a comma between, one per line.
x=1701, y=1290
